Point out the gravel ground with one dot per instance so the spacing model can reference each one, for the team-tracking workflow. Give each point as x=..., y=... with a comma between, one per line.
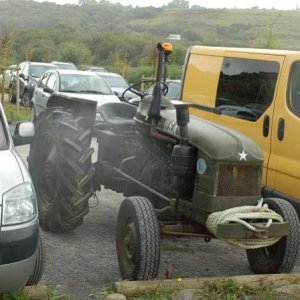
x=84, y=261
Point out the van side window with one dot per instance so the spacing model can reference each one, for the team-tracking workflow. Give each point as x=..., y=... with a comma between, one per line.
x=294, y=89
x=246, y=87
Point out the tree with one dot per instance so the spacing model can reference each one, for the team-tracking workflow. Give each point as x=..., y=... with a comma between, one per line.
x=179, y=4
x=267, y=39
x=6, y=38
x=76, y=53
x=87, y=2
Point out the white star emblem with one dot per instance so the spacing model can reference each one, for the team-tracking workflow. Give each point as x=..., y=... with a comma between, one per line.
x=243, y=155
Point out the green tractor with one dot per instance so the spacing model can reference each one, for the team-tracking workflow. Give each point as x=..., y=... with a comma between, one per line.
x=181, y=175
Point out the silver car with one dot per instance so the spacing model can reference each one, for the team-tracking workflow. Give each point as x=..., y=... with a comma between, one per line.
x=79, y=84
x=118, y=84
x=21, y=251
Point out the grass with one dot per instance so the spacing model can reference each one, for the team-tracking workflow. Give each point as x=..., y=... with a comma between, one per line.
x=218, y=290
x=230, y=290
x=23, y=294
x=11, y=112
x=20, y=295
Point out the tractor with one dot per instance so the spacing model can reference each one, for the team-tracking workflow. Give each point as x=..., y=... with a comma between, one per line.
x=180, y=175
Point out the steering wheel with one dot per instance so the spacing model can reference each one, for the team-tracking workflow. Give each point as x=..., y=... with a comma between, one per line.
x=132, y=89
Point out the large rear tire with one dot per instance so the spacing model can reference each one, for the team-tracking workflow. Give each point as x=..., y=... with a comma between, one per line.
x=61, y=169
x=138, y=239
x=282, y=256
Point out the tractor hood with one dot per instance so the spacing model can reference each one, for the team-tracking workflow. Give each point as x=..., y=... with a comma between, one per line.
x=215, y=141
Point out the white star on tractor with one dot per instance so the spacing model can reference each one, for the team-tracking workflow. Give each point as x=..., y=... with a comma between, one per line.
x=243, y=155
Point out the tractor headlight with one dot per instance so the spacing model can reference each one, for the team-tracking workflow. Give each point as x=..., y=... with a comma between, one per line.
x=19, y=205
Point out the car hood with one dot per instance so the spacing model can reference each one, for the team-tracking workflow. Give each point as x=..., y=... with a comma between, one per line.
x=10, y=171
x=101, y=99
x=120, y=91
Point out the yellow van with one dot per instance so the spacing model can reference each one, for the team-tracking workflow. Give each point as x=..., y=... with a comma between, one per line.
x=256, y=92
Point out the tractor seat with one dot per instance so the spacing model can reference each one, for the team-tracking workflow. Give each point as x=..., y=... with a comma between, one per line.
x=118, y=114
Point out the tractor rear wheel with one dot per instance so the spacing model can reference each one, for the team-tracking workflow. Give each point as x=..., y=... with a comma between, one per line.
x=61, y=169
x=138, y=240
x=280, y=257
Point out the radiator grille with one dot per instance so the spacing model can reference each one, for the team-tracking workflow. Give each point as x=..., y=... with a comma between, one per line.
x=239, y=180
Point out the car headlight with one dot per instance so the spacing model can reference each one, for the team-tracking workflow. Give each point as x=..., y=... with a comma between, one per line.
x=98, y=117
x=19, y=205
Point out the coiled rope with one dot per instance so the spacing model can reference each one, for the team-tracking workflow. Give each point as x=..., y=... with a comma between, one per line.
x=243, y=215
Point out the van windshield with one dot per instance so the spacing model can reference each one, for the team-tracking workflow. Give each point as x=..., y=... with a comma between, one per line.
x=3, y=139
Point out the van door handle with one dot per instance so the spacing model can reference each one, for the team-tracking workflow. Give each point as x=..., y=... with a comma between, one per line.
x=266, y=125
x=280, y=130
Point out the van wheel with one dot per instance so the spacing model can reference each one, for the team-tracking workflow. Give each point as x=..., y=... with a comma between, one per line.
x=61, y=169
x=138, y=239
x=39, y=267
x=282, y=256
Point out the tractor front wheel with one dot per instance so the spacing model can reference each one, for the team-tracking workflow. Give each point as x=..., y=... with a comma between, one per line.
x=280, y=257
x=138, y=240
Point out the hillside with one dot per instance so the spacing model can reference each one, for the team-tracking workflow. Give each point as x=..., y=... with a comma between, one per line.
x=208, y=26
x=105, y=33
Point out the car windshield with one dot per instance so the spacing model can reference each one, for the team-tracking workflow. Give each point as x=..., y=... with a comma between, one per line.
x=115, y=81
x=84, y=83
x=3, y=140
x=38, y=71
x=66, y=66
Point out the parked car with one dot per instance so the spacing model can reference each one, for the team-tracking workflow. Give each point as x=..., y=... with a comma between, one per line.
x=96, y=69
x=30, y=72
x=8, y=77
x=172, y=92
x=87, y=85
x=64, y=65
x=21, y=251
x=118, y=84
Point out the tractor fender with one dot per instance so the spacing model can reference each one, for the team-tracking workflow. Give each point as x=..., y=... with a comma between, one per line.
x=80, y=106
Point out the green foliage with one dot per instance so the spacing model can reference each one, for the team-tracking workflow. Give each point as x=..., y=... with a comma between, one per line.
x=12, y=115
x=266, y=38
x=230, y=290
x=178, y=4
x=123, y=38
x=19, y=295
x=151, y=295
x=137, y=73
x=74, y=52
x=218, y=290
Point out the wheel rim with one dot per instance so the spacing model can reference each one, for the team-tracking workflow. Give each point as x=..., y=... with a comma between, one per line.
x=270, y=252
x=130, y=243
x=25, y=99
x=48, y=173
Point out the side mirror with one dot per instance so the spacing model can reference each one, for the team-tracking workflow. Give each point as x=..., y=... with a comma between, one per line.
x=116, y=93
x=48, y=90
x=24, y=133
x=22, y=75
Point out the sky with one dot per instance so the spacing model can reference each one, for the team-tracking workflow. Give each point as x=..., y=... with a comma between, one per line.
x=277, y=4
